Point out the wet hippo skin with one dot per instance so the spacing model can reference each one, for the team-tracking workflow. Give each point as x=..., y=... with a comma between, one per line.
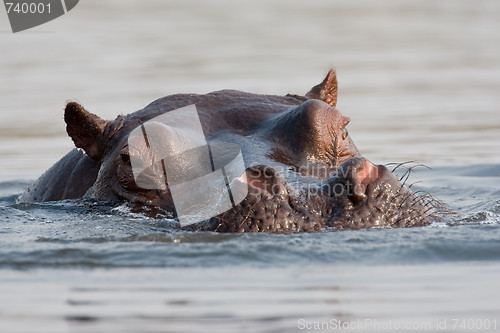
x=303, y=171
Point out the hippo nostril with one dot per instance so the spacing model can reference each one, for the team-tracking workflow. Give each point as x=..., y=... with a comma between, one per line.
x=267, y=179
x=358, y=193
x=367, y=173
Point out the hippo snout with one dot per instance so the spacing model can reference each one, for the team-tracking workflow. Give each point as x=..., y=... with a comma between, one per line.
x=365, y=195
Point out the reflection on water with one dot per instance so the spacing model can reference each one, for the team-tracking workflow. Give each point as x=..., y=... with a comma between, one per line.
x=369, y=299
x=83, y=266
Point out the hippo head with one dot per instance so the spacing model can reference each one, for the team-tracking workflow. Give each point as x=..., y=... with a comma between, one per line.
x=302, y=169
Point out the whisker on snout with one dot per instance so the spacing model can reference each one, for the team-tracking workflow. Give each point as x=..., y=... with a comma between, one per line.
x=398, y=165
x=417, y=182
x=429, y=205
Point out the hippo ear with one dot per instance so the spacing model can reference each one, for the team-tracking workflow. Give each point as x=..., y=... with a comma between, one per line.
x=86, y=130
x=326, y=91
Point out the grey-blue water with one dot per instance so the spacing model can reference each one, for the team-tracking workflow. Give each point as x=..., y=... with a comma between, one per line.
x=420, y=82
x=86, y=234
x=83, y=266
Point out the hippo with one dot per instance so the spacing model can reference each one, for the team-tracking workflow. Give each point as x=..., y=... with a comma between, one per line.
x=302, y=172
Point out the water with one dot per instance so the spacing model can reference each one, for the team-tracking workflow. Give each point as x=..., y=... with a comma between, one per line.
x=420, y=82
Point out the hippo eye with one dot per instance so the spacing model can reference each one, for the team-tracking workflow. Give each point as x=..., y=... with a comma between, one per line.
x=345, y=134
